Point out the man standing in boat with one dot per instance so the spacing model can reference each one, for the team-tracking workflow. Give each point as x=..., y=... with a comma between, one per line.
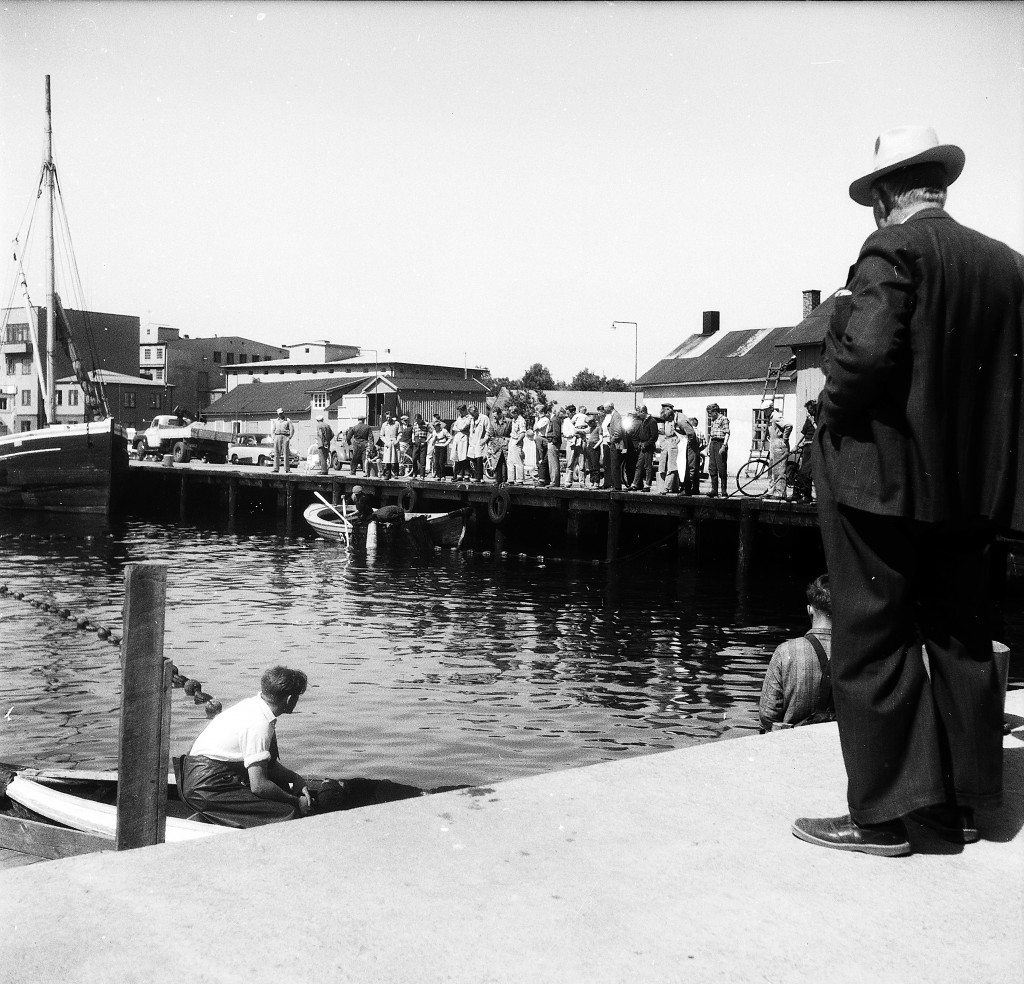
x=284, y=431
x=233, y=775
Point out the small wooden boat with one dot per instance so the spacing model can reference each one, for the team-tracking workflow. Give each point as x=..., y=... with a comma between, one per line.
x=327, y=522
x=440, y=529
x=58, y=813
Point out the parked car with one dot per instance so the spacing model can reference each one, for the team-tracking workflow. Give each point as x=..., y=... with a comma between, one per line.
x=256, y=449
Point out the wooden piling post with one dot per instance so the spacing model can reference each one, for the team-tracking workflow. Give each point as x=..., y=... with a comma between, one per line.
x=143, y=755
x=183, y=496
x=572, y=528
x=334, y=492
x=232, y=499
x=686, y=537
x=289, y=508
x=614, y=530
x=745, y=553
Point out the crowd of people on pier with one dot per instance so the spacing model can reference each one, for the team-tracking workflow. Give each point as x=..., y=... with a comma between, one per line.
x=570, y=446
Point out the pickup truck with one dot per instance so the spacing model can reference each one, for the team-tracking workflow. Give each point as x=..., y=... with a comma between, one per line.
x=183, y=439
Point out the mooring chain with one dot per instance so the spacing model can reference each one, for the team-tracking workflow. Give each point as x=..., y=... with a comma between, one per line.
x=192, y=688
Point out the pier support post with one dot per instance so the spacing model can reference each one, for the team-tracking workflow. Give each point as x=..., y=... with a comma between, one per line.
x=687, y=537
x=573, y=529
x=499, y=540
x=289, y=509
x=614, y=530
x=232, y=499
x=745, y=554
x=334, y=491
x=143, y=755
x=183, y=496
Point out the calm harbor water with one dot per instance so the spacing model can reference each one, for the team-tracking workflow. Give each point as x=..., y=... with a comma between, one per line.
x=430, y=670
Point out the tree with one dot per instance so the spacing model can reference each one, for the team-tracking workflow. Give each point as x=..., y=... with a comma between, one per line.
x=616, y=385
x=538, y=377
x=495, y=383
x=587, y=381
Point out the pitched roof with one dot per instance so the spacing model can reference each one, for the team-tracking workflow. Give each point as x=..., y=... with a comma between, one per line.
x=260, y=399
x=810, y=331
x=737, y=356
x=443, y=384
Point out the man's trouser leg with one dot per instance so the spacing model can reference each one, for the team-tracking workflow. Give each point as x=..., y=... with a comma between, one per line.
x=716, y=466
x=358, y=450
x=554, y=464
x=542, y=460
x=908, y=742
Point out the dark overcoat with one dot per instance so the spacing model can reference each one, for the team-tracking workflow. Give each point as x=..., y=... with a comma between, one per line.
x=922, y=414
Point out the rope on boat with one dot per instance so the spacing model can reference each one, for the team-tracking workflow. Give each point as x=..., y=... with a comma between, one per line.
x=192, y=688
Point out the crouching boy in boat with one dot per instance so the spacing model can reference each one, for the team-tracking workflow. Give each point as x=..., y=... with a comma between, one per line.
x=233, y=774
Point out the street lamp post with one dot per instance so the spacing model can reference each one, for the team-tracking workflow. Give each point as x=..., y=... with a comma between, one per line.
x=636, y=346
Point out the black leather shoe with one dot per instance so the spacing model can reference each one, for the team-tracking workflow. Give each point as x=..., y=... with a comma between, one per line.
x=952, y=823
x=844, y=834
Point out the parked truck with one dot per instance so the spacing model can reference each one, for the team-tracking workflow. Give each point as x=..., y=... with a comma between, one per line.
x=183, y=439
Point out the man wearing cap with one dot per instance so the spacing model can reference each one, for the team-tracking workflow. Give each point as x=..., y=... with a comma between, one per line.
x=324, y=436
x=645, y=437
x=283, y=432
x=919, y=461
x=359, y=435
x=718, y=450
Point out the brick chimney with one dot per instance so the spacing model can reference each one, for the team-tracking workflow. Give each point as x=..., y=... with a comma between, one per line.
x=712, y=322
x=812, y=298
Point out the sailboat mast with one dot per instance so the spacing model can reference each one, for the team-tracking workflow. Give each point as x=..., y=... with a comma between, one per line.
x=51, y=273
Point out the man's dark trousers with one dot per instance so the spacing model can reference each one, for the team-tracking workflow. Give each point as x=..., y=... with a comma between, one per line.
x=612, y=467
x=358, y=451
x=909, y=741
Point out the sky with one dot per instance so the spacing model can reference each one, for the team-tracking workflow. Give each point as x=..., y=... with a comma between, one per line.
x=490, y=184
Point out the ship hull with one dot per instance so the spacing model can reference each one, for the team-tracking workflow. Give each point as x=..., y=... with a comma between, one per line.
x=70, y=468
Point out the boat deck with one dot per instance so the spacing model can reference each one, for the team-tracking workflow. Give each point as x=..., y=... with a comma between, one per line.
x=663, y=868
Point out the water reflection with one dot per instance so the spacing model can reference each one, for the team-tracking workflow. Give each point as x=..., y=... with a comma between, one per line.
x=430, y=670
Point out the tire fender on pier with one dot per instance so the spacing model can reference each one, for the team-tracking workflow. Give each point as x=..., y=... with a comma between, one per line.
x=408, y=499
x=498, y=505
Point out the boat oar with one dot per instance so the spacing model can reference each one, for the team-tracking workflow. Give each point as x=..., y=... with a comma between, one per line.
x=344, y=519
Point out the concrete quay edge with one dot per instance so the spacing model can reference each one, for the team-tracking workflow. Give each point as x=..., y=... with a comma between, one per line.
x=678, y=866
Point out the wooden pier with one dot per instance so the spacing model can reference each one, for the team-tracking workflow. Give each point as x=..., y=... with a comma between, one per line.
x=574, y=520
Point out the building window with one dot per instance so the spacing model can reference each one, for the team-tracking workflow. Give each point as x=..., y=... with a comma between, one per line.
x=231, y=358
x=26, y=367
x=147, y=354
x=319, y=401
x=158, y=375
x=26, y=425
x=159, y=354
x=216, y=357
x=72, y=398
x=12, y=366
x=26, y=398
x=60, y=398
x=242, y=359
x=3, y=402
x=128, y=401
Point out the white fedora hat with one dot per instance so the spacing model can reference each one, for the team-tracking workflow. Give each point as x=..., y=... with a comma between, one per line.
x=901, y=147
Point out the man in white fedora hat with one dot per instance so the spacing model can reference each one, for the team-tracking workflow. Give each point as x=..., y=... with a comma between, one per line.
x=920, y=454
